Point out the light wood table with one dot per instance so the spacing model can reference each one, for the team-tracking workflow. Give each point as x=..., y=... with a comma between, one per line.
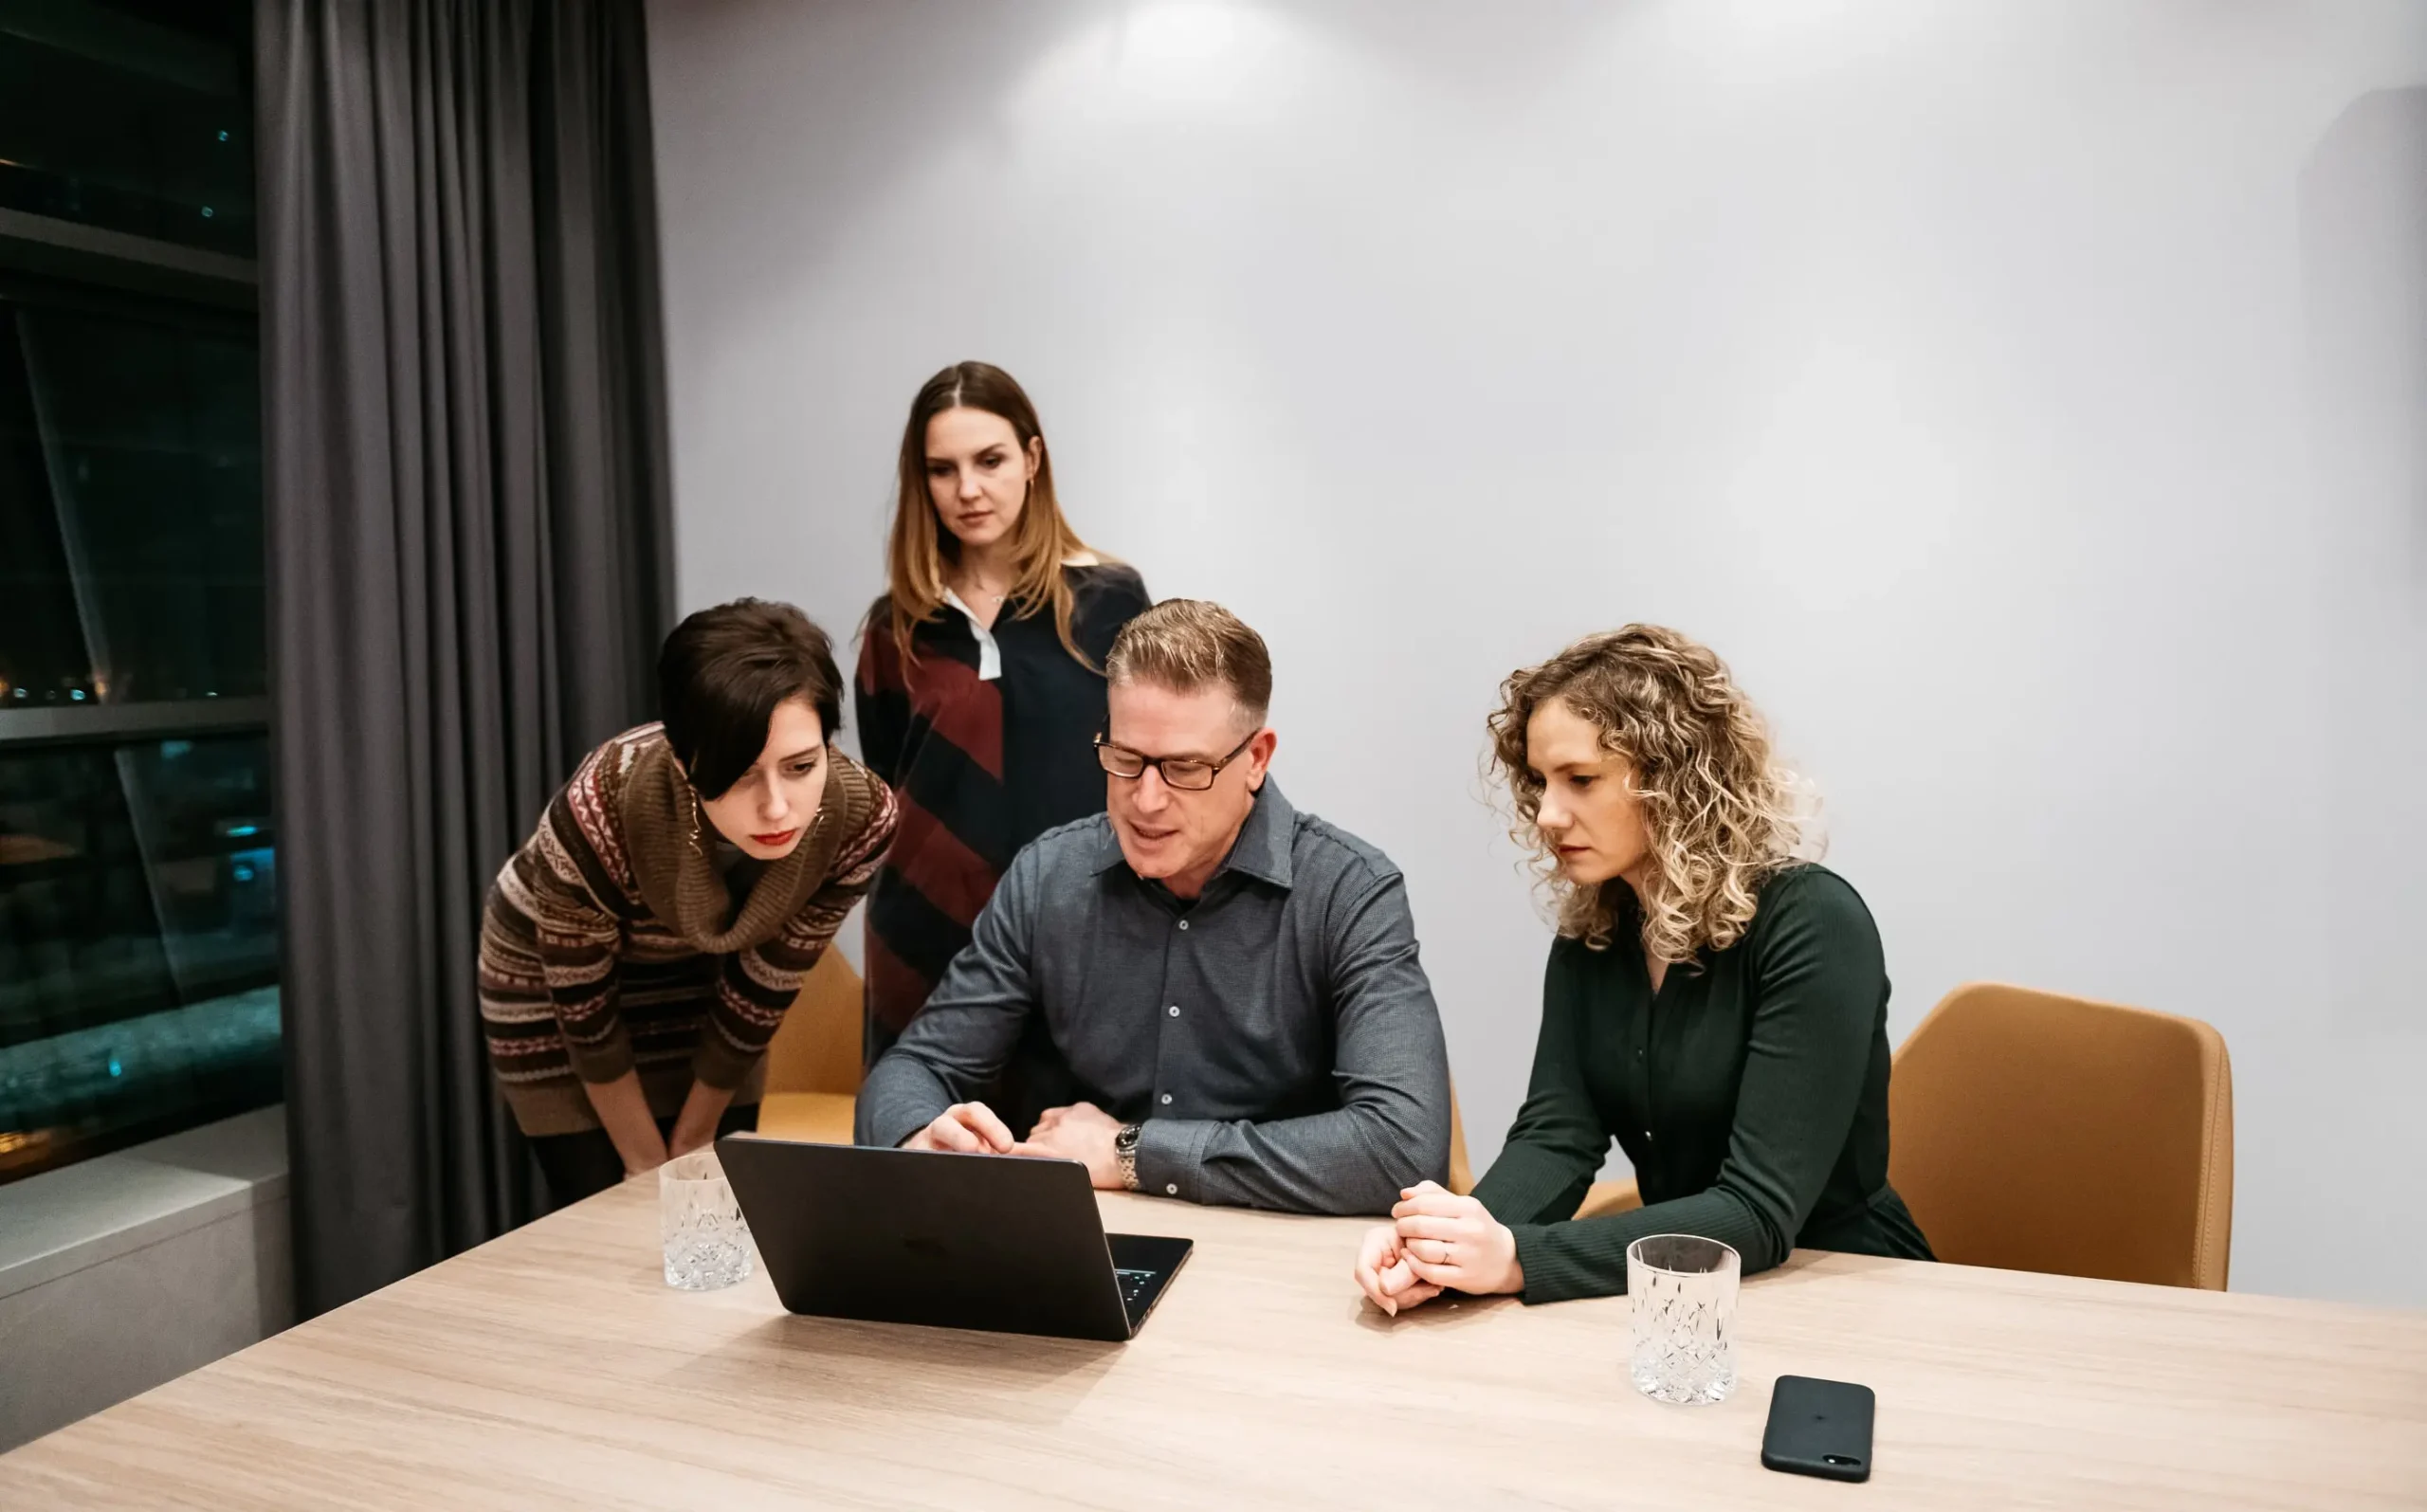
x=554, y=1368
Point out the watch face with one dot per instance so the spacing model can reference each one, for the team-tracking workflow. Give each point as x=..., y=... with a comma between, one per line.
x=1127, y=1139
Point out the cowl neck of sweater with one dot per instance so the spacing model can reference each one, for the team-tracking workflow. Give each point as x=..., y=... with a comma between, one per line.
x=671, y=836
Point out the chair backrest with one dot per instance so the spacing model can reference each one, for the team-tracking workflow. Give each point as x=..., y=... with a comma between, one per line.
x=2035, y=1131
x=816, y=1048
x=1462, y=1175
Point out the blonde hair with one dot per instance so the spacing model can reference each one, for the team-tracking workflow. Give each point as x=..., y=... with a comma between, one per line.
x=1186, y=643
x=919, y=548
x=1721, y=812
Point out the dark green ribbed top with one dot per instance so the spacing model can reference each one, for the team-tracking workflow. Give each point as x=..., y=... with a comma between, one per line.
x=1750, y=1092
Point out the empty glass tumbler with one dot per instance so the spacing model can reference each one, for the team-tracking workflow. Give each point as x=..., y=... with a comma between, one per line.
x=1683, y=1334
x=707, y=1246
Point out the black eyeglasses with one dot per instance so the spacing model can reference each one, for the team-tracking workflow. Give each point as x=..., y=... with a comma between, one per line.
x=1186, y=774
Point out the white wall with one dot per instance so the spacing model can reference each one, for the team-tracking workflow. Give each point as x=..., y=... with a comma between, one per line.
x=2029, y=398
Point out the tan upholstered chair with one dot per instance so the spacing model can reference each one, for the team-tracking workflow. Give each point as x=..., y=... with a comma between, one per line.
x=1604, y=1198
x=2035, y=1131
x=1462, y=1175
x=814, y=1062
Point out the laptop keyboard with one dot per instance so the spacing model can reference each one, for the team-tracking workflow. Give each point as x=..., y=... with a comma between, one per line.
x=1133, y=1284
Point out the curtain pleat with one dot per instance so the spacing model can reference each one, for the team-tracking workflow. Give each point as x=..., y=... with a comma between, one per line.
x=470, y=553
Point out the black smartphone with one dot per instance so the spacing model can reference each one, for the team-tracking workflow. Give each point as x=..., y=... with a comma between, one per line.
x=1820, y=1427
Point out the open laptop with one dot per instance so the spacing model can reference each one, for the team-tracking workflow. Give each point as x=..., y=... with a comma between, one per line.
x=1003, y=1243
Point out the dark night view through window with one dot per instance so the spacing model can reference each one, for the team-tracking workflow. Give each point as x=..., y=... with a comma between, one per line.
x=139, y=866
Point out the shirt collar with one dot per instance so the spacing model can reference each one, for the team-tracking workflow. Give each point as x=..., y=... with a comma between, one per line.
x=1261, y=851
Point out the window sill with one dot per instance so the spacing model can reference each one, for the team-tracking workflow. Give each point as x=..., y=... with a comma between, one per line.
x=64, y=1221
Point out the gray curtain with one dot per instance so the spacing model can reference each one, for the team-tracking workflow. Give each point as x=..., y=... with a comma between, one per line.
x=469, y=543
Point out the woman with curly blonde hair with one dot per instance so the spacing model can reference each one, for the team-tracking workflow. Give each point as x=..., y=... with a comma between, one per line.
x=1716, y=1001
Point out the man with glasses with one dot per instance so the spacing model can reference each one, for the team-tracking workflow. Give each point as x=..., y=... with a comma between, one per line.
x=1217, y=994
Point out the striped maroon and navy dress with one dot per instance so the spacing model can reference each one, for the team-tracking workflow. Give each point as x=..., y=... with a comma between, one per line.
x=985, y=747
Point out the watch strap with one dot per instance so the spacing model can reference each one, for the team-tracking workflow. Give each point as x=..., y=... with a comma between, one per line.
x=1124, y=1146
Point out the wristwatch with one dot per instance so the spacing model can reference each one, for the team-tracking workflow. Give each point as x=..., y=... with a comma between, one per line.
x=1124, y=1144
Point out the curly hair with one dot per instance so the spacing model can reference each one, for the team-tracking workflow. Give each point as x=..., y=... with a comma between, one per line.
x=1723, y=815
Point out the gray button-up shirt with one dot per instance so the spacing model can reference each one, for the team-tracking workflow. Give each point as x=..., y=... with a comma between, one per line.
x=1277, y=1039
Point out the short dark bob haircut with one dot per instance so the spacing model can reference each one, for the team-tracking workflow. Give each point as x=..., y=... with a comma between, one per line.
x=722, y=674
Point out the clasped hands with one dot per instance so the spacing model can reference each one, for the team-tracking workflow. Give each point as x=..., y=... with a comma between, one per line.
x=1437, y=1242
x=1082, y=1131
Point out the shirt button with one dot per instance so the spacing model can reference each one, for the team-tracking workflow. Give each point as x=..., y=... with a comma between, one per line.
x=1175, y=1011
x=1172, y=1190
x=1167, y=1100
x=1647, y=1135
x=1183, y=923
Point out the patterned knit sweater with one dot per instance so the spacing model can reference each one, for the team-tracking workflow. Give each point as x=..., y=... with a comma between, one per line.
x=611, y=944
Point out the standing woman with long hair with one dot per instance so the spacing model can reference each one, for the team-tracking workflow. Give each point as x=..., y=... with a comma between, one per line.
x=981, y=687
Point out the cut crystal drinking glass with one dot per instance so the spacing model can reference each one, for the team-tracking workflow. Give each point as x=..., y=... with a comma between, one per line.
x=707, y=1246
x=1684, y=1336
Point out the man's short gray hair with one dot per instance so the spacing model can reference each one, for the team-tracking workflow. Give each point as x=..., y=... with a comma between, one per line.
x=1188, y=643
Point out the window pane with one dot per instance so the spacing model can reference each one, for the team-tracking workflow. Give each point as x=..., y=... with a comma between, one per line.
x=139, y=946
x=130, y=467
x=132, y=115
x=137, y=874
x=42, y=656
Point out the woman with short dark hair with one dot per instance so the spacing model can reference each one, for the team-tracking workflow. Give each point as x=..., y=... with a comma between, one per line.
x=640, y=949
